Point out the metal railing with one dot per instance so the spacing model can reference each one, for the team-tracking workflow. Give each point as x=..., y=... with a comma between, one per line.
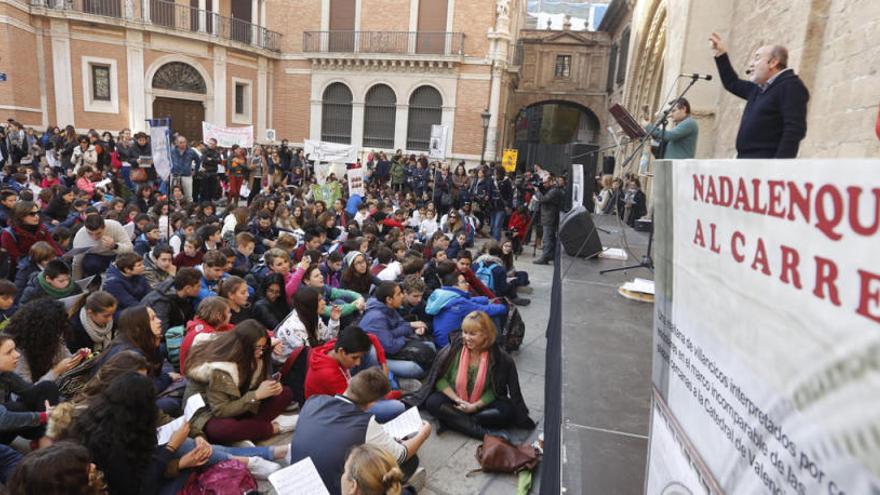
x=173, y=16
x=392, y=42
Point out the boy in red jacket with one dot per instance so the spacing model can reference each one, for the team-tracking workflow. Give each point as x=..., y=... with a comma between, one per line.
x=330, y=368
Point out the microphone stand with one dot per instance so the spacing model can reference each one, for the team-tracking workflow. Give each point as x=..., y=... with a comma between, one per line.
x=647, y=261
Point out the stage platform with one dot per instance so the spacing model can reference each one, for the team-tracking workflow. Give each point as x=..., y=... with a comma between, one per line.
x=606, y=342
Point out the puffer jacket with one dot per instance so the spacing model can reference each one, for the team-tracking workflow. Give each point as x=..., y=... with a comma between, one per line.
x=449, y=306
x=387, y=325
x=128, y=291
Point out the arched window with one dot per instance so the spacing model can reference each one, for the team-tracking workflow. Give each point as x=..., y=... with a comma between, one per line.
x=380, y=110
x=425, y=110
x=179, y=76
x=336, y=114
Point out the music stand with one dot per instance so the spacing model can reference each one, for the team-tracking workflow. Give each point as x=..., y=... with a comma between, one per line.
x=627, y=122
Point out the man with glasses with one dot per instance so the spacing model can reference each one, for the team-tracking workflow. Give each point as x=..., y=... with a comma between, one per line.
x=775, y=118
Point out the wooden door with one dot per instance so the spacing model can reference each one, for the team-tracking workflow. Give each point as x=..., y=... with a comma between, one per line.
x=432, y=27
x=186, y=116
x=342, y=13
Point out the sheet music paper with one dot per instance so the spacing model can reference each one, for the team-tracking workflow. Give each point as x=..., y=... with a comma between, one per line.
x=193, y=404
x=301, y=478
x=404, y=425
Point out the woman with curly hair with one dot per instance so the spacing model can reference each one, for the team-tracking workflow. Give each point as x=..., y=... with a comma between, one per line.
x=140, y=330
x=38, y=329
x=118, y=427
x=357, y=276
x=63, y=469
x=25, y=416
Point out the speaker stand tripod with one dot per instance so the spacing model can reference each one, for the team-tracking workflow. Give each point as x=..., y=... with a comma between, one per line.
x=646, y=262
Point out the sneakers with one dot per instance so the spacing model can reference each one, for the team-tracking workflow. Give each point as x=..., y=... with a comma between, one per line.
x=286, y=424
x=521, y=301
x=261, y=468
x=541, y=261
x=418, y=479
x=244, y=444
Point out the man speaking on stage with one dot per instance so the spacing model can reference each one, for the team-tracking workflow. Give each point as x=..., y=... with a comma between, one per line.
x=775, y=118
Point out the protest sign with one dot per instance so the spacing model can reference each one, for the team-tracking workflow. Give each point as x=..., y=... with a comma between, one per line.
x=508, y=159
x=356, y=182
x=437, y=144
x=228, y=136
x=321, y=151
x=766, y=322
x=159, y=146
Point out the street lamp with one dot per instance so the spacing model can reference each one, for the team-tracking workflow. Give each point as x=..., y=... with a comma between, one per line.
x=485, y=116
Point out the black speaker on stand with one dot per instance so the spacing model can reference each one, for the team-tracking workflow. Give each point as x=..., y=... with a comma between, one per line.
x=578, y=234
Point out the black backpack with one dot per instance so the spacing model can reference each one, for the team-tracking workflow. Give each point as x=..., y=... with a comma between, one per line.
x=514, y=330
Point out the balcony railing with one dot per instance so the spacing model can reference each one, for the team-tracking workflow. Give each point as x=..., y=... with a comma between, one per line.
x=173, y=16
x=383, y=42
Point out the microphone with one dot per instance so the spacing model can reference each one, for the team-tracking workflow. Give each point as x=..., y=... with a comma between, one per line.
x=695, y=76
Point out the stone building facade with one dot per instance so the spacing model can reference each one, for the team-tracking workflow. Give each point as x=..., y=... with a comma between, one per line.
x=834, y=46
x=372, y=73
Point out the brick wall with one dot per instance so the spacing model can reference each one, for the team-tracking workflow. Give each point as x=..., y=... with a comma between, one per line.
x=472, y=98
x=292, y=94
x=384, y=15
x=96, y=120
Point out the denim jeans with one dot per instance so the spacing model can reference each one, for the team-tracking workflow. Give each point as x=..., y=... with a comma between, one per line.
x=498, y=217
x=386, y=410
x=9, y=459
x=400, y=369
x=220, y=453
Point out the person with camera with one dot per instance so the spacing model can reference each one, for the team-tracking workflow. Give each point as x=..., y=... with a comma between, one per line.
x=550, y=196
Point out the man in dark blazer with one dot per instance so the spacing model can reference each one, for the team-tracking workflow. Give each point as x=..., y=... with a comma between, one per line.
x=775, y=118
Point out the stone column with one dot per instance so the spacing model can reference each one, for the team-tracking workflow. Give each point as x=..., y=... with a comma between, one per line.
x=219, y=85
x=203, y=5
x=134, y=53
x=357, y=124
x=401, y=122
x=61, y=71
x=146, y=10
x=262, y=92
x=255, y=21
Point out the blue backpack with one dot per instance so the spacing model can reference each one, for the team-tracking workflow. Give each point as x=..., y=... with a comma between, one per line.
x=484, y=273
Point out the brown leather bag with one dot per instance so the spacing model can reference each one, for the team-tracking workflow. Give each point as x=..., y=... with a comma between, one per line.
x=497, y=455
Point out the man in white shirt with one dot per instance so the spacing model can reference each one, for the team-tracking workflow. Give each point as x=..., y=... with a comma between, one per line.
x=102, y=241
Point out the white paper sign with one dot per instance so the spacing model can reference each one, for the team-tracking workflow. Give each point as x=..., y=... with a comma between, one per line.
x=321, y=151
x=404, y=425
x=301, y=478
x=160, y=147
x=437, y=144
x=356, y=182
x=766, y=321
x=577, y=185
x=227, y=136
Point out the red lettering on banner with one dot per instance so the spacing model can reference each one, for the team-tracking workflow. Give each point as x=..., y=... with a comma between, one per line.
x=725, y=191
x=761, y=258
x=711, y=194
x=823, y=222
x=734, y=251
x=790, y=260
x=869, y=295
x=698, y=187
x=756, y=193
x=858, y=228
x=742, y=197
x=776, y=188
x=713, y=246
x=802, y=201
x=826, y=278
x=698, y=235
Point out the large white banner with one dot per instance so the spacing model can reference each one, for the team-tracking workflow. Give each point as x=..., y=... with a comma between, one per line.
x=321, y=151
x=767, y=324
x=356, y=182
x=160, y=147
x=437, y=144
x=228, y=136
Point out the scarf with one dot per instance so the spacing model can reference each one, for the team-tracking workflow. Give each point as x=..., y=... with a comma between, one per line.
x=52, y=291
x=461, y=378
x=100, y=335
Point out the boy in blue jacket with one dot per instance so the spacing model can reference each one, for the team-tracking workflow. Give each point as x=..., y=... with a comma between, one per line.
x=452, y=302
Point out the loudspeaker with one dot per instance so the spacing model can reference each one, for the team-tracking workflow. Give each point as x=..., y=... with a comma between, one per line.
x=578, y=235
x=608, y=165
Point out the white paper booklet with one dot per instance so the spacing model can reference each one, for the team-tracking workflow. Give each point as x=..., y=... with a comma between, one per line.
x=404, y=425
x=301, y=478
